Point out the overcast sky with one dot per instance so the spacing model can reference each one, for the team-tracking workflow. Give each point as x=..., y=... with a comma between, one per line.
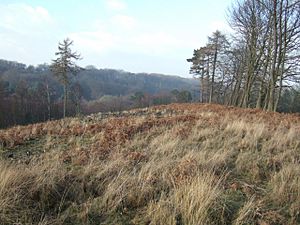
x=154, y=36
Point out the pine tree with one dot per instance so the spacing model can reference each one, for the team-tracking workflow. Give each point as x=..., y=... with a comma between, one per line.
x=64, y=66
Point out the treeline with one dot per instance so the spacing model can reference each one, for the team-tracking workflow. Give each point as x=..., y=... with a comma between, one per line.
x=31, y=94
x=259, y=65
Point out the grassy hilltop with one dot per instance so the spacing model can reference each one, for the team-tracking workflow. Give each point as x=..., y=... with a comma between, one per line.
x=178, y=164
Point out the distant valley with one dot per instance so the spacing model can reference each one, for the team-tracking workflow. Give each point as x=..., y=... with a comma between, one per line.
x=32, y=94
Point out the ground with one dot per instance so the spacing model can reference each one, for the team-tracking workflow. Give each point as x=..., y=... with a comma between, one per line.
x=176, y=164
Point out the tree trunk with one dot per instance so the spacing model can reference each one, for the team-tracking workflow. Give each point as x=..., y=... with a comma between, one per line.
x=275, y=48
x=65, y=100
x=48, y=101
x=213, y=75
x=282, y=52
x=202, y=87
x=259, y=99
x=279, y=94
x=237, y=87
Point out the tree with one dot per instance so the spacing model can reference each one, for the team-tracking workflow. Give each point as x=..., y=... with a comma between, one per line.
x=208, y=65
x=76, y=97
x=200, y=65
x=217, y=45
x=270, y=32
x=64, y=66
x=3, y=104
x=138, y=97
x=182, y=96
x=185, y=96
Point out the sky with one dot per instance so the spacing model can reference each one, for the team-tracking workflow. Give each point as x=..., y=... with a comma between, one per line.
x=153, y=36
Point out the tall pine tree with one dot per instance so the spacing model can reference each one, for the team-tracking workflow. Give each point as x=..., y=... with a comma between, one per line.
x=64, y=66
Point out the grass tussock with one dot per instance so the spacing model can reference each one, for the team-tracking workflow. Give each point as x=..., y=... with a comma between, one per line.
x=178, y=164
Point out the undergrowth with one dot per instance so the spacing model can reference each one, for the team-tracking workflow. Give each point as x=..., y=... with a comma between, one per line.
x=181, y=164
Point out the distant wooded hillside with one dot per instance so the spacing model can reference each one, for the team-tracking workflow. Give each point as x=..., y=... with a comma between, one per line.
x=94, y=82
x=32, y=94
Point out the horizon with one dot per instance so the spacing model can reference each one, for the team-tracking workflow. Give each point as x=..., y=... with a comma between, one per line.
x=104, y=68
x=112, y=34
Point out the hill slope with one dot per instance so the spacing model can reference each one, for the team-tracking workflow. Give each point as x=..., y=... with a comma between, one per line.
x=175, y=164
x=94, y=83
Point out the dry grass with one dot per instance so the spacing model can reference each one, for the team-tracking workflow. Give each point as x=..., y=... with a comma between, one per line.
x=177, y=164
